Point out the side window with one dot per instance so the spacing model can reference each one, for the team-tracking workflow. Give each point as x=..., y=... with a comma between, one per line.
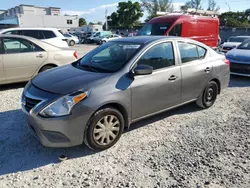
x=159, y=56
x=188, y=52
x=202, y=52
x=48, y=34
x=15, y=45
x=14, y=32
x=33, y=33
x=176, y=30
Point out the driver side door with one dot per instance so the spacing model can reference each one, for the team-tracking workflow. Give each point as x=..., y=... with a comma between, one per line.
x=161, y=89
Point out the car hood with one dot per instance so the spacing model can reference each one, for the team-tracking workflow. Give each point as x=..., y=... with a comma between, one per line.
x=67, y=79
x=231, y=44
x=238, y=54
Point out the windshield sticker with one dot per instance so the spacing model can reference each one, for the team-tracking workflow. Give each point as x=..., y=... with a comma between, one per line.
x=131, y=47
x=163, y=27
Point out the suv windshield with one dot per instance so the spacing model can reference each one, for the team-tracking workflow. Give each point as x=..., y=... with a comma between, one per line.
x=237, y=39
x=244, y=46
x=109, y=57
x=154, y=29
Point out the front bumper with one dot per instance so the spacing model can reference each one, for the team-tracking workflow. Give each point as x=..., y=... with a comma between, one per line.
x=240, y=69
x=64, y=131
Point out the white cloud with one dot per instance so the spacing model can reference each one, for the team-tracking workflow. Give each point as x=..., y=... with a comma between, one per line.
x=94, y=14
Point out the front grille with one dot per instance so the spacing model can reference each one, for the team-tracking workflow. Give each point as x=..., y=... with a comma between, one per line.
x=240, y=68
x=30, y=103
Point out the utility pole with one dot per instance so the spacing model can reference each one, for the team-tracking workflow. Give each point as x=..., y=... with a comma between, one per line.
x=106, y=16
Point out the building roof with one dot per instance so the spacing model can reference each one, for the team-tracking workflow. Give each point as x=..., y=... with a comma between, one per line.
x=37, y=6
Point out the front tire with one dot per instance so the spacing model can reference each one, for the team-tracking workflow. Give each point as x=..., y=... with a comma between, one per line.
x=72, y=43
x=209, y=95
x=104, y=129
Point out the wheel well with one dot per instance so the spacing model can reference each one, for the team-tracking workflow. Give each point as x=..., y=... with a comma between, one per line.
x=121, y=109
x=218, y=83
x=51, y=64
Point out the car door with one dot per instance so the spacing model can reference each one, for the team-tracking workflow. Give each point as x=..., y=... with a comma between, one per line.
x=21, y=58
x=2, y=75
x=196, y=70
x=160, y=90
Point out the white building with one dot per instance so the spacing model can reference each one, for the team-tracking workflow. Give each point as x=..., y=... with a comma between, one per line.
x=34, y=16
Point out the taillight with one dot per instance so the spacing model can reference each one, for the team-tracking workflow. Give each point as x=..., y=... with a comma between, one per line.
x=75, y=55
x=226, y=61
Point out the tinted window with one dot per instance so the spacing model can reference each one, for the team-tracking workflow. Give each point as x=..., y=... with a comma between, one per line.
x=15, y=45
x=48, y=34
x=245, y=45
x=188, y=52
x=66, y=35
x=33, y=33
x=154, y=29
x=15, y=32
x=159, y=56
x=109, y=57
x=176, y=30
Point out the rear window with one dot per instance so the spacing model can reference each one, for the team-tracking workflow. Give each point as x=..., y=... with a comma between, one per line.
x=154, y=29
x=48, y=34
x=14, y=32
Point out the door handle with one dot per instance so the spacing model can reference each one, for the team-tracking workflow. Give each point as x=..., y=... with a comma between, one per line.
x=207, y=70
x=172, y=78
x=39, y=56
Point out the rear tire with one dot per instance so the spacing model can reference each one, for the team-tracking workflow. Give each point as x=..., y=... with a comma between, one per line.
x=104, y=129
x=72, y=43
x=208, y=96
x=46, y=67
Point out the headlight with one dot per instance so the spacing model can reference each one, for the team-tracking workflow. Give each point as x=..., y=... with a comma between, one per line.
x=63, y=105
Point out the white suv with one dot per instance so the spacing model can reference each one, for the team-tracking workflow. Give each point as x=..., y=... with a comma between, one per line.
x=49, y=35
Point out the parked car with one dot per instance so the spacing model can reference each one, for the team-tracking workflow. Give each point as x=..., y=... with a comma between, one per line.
x=107, y=38
x=118, y=83
x=21, y=58
x=72, y=40
x=232, y=43
x=204, y=29
x=239, y=59
x=94, y=38
x=50, y=35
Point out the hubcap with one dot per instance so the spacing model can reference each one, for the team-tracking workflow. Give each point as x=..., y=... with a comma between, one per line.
x=209, y=95
x=106, y=130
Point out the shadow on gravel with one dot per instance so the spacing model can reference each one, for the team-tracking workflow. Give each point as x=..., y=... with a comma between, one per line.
x=188, y=108
x=239, y=81
x=21, y=151
x=12, y=86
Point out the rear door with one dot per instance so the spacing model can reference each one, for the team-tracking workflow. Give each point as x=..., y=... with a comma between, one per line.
x=196, y=70
x=21, y=58
x=2, y=75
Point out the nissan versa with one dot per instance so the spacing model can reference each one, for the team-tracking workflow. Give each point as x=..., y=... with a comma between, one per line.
x=92, y=100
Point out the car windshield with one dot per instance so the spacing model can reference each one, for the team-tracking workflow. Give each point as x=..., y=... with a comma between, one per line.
x=109, y=57
x=237, y=39
x=244, y=46
x=66, y=35
x=154, y=29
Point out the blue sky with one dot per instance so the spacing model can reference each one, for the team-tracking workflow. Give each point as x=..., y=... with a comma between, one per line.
x=94, y=10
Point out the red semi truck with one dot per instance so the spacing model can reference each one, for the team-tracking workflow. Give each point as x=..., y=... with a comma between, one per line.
x=204, y=29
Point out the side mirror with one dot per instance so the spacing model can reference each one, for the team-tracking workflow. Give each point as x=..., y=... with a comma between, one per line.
x=143, y=70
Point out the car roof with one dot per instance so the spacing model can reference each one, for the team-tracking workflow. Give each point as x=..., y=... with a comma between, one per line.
x=28, y=28
x=240, y=37
x=147, y=39
x=142, y=39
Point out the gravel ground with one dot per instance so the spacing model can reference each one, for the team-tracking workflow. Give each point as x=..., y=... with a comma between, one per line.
x=186, y=147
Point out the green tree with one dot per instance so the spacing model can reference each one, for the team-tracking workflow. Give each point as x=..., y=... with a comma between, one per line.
x=154, y=6
x=234, y=19
x=127, y=15
x=195, y=4
x=82, y=22
x=212, y=6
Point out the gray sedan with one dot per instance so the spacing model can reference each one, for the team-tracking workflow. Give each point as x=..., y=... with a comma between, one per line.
x=92, y=100
x=22, y=58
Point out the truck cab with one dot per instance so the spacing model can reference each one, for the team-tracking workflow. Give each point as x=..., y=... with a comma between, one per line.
x=204, y=29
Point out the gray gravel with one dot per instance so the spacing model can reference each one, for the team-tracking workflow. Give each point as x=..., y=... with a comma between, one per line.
x=186, y=147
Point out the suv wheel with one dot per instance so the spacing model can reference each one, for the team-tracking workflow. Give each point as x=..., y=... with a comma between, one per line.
x=72, y=43
x=208, y=96
x=104, y=129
